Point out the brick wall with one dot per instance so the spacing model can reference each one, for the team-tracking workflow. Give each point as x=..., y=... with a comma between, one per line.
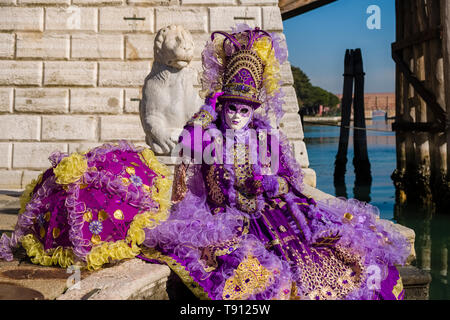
x=71, y=71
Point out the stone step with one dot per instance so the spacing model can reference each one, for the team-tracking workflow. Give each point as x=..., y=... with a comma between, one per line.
x=416, y=283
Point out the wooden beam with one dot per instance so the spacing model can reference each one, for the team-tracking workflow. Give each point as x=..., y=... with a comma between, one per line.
x=426, y=95
x=418, y=38
x=417, y=126
x=290, y=9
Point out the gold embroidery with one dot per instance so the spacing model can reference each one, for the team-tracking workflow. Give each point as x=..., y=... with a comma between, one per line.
x=87, y=216
x=249, y=278
x=215, y=192
x=118, y=214
x=56, y=232
x=180, y=270
x=348, y=217
x=126, y=181
x=130, y=171
x=42, y=232
x=102, y=215
x=398, y=288
x=283, y=186
x=330, y=273
x=243, y=170
x=203, y=118
x=96, y=239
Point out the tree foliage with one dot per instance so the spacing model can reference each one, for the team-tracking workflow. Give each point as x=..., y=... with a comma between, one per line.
x=309, y=95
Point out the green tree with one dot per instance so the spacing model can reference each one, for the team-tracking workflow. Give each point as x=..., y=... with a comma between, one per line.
x=309, y=95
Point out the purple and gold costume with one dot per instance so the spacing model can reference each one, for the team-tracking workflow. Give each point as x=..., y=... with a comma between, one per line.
x=238, y=228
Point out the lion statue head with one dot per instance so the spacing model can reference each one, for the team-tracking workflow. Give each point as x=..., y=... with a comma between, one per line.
x=174, y=46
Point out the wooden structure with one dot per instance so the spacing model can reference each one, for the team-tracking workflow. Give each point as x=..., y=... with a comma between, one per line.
x=292, y=8
x=422, y=102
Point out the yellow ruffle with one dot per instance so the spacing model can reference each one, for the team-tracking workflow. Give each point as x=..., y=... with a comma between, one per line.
x=35, y=250
x=102, y=253
x=27, y=193
x=122, y=249
x=70, y=169
x=271, y=76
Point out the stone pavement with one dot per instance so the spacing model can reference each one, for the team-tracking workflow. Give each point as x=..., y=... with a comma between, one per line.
x=129, y=279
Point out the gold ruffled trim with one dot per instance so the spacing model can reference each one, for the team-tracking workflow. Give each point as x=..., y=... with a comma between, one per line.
x=118, y=250
x=180, y=270
x=58, y=256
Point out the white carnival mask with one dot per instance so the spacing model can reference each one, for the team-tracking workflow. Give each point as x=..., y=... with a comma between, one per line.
x=237, y=115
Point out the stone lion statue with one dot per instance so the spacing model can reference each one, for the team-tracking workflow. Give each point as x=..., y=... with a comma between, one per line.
x=169, y=98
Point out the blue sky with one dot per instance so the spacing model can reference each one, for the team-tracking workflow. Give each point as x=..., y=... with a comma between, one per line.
x=317, y=41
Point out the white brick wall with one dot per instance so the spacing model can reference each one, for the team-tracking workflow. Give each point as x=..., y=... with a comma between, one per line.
x=126, y=74
x=71, y=18
x=139, y=46
x=69, y=128
x=42, y=100
x=34, y=156
x=128, y=127
x=21, y=19
x=20, y=127
x=72, y=71
x=223, y=18
x=37, y=45
x=192, y=19
x=95, y=46
x=20, y=72
x=98, y=100
x=5, y=155
x=6, y=99
x=113, y=19
x=6, y=45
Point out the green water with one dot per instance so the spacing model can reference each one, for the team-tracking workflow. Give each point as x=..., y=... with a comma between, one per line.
x=432, y=231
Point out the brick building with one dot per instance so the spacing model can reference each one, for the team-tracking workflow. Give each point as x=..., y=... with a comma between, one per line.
x=384, y=101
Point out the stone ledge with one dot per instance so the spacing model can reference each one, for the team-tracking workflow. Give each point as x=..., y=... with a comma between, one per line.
x=130, y=280
x=416, y=283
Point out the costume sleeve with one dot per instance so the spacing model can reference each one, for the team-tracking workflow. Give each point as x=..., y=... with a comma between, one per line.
x=192, y=139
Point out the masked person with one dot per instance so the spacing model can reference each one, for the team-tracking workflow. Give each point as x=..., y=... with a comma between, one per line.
x=241, y=228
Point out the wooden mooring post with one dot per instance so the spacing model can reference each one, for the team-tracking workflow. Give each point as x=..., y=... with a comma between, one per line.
x=353, y=73
x=421, y=53
x=340, y=163
x=361, y=163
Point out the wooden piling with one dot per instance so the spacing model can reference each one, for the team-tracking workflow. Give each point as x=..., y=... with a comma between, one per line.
x=422, y=56
x=347, y=99
x=361, y=163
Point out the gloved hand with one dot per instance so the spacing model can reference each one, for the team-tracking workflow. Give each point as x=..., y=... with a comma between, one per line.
x=270, y=185
x=212, y=100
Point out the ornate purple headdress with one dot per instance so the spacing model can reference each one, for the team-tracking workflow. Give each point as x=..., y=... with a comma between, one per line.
x=245, y=66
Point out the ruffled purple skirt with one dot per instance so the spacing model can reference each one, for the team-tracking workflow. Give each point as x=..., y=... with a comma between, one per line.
x=342, y=252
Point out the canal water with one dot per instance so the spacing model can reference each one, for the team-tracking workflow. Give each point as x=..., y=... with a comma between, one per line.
x=432, y=230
